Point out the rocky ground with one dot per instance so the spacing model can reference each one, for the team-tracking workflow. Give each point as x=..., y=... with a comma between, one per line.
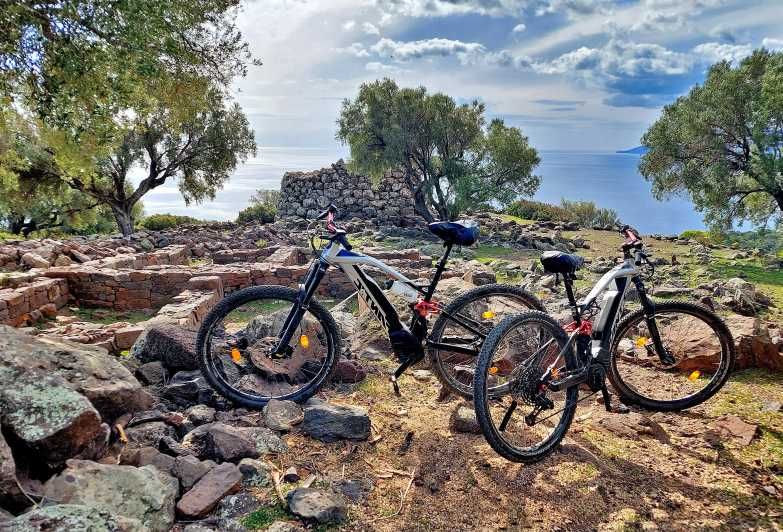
x=114, y=428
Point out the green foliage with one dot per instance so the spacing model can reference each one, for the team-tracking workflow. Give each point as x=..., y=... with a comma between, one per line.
x=702, y=237
x=767, y=240
x=158, y=222
x=262, y=208
x=722, y=143
x=587, y=214
x=263, y=517
x=537, y=210
x=451, y=159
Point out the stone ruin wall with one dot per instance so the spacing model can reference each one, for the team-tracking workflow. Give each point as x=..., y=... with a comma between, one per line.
x=307, y=194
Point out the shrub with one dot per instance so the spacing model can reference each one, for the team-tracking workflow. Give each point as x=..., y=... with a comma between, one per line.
x=262, y=208
x=702, y=237
x=158, y=222
x=537, y=210
x=587, y=214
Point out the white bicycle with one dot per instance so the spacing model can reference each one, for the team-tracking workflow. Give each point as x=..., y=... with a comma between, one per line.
x=266, y=342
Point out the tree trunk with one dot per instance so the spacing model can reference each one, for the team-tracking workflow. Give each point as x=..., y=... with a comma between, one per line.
x=124, y=218
x=420, y=206
x=779, y=199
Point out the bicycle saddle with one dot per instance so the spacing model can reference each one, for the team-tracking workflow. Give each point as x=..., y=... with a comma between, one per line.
x=559, y=262
x=461, y=232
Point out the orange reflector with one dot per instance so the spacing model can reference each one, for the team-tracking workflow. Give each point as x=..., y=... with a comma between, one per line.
x=236, y=356
x=493, y=370
x=641, y=341
x=555, y=373
x=695, y=375
x=488, y=315
x=304, y=341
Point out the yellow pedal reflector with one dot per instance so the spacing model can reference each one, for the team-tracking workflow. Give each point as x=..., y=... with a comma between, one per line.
x=641, y=341
x=304, y=341
x=695, y=375
x=493, y=370
x=488, y=315
x=236, y=356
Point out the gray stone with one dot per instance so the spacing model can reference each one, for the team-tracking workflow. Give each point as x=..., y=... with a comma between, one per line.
x=188, y=388
x=200, y=414
x=222, y=480
x=149, y=434
x=255, y=472
x=267, y=440
x=150, y=456
x=141, y=493
x=327, y=422
x=172, y=345
x=354, y=490
x=220, y=442
x=10, y=494
x=282, y=415
x=316, y=505
x=189, y=470
x=72, y=518
x=463, y=419
x=152, y=373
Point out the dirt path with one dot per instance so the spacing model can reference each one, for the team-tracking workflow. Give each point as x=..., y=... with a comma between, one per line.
x=637, y=471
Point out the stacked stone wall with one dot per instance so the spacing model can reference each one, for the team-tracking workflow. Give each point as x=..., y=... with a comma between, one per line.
x=306, y=194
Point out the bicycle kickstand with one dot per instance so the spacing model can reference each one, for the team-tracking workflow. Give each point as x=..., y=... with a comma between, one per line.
x=619, y=409
x=398, y=372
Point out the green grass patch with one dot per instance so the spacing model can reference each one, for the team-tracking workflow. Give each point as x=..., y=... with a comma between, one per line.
x=107, y=317
x=769, y=281
x=517, y=219
x=263, y=517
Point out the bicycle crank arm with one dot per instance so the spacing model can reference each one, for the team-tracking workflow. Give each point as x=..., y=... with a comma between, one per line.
x=569, y=381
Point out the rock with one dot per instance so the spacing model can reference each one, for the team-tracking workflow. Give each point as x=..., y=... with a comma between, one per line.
x=463, y=419
x=350, y=371
x=187, y=388
x=149, y=434
x=200, y=414
x=741, y=297
x=222, y=480
x=144, y=493
x=633, y=425
x=5, y=516
x=153, y=457
x=34, y=260
x=282, y=415
x=355, y=491
x=151, y=373
x=10, y=495
x=255, y=472
x=479, y=277
x=291, y=475
x=734, y=428
x=329, y=423
x=125, y=337
x=422, y=375
x=221, y=443
x=772, y=406
x=315, y=505
x=47, y=417
x=173, y=345
x=71, y=517
x=267, y=440
x=755, y=346
x=233, y=508
x=89, y=370
x=189, y=469
x=284, y=526
x=672, y=291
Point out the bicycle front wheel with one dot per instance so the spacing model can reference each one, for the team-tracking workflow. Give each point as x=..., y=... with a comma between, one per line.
x=237, y=337
x=521, y=419
x=464, y=323
x=700, y=346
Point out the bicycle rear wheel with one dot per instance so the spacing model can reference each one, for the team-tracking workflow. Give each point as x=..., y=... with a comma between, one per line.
x=465, y=322
x=698, y=340
x=236, y=338
x=520, y=418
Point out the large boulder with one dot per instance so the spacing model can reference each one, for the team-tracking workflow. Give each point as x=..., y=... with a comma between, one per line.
x=222, y=480
x=756, y=348
x=172, y=345
x=327, y=422
x=88, y=370
x=71, y=517
x=10, y=494
x=312, y=504
x=141, y=493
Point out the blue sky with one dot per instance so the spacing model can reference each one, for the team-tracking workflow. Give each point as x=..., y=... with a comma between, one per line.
x=572, y=74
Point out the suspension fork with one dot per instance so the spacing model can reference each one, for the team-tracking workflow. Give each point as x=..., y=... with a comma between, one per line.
x=652, y=325
x=306, y=291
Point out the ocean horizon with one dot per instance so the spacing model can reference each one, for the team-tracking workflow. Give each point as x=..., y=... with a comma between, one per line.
x=609, y=179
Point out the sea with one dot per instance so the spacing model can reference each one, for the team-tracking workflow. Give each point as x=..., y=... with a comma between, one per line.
x=609, y=179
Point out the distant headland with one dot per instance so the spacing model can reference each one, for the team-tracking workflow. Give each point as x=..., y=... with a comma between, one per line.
x=639, y=150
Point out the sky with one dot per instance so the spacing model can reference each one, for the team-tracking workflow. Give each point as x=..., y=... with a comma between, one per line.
x=571, y=74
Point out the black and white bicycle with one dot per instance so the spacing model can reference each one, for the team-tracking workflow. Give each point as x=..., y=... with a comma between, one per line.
x=266, y=342
x=665, y=356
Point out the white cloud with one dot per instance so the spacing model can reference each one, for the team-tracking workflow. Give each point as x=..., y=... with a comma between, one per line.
x=375, y=66
x=573, y=7
x=370, y=29
x=436, y=47
x=444, y=8
x=519, y=28
x=349, y=25
x=355, y=49
x=712, y=52
x=772, y=44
